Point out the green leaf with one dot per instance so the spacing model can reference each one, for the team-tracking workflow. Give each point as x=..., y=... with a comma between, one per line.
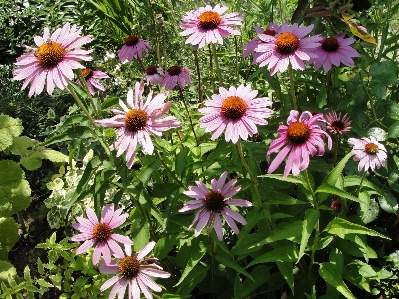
x=21, y=144
x=10, y=174
x=195, y=276
x=260, y=274
x=329, y=273
x=282, y=254
x=195, y=257
x=13, y=200
x=339, y=226
x=334, y=175
x=393, y=131
x=326, y=188
x=9, y=129
x=253, y=243
x=388, y=202
x=372, y=212
x=286, y=270
x=229, y=261
x=78, y=132
x=311, y=217
x=6, y=269
x=289, y=178
x=383, y=72
x=141, y=237
x=9, y=239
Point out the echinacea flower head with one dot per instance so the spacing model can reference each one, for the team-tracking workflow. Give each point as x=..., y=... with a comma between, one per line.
x=100, y=233
x=213, y=204
x=333, y=51
x=249, y=48
x=289, y=46
x=53, y=60
x=369, y=152
x=208, y=25
x=302, y=138
x=133, y=272
x=133, y=48
x=137, y=120
x=236, y=111
x=91, y=77
x=154, y=75
x=337, y=124
x=176, y=75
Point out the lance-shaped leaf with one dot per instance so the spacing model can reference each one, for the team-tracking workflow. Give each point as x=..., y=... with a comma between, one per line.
x=339, y=226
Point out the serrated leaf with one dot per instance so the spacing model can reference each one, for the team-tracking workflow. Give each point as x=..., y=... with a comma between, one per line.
x=287, y=253
x=339, y=226
x=328, y=272
x=9, y=129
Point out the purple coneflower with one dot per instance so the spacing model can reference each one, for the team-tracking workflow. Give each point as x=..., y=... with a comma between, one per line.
x=133, y=48
x=100, y=233
x=369, y=152
x=303, y=137
x=90, y=77
x=54, y=59
x=272, y=29
x=333, y=51
x=213, y=204
x=337, y=124
x=176, y=75
x=209, y=25
x=137, y=120
x=133, y=271
x=290, y=46
x=236, y=111
x=154, y=75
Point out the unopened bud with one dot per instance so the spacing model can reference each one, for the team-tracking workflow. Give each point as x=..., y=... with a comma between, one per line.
x=337, y=205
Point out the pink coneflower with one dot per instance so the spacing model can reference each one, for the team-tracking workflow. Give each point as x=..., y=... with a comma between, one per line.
x=90, y=77
x=208, y=25
x=272, y=29
x=138, y=120
x=333, y=51
x=176, y=75
x=94, y=232
x=133, y=271
x=213, y=204
x=153, y=75
x=54, y=59
x=302, y=138
x=133, y=48
x=337, y=124
x=369, y=152
x=236, y=111
x=289, y=46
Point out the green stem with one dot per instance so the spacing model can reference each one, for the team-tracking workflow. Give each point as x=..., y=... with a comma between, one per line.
x=199, y=76
x=189, y=116
x=336, y=144
x=211, y=69
x=163, y=45
x=155, y=32
x=375, y=119
x=75, y=96
x=217, y=64
x=141, y=65
x=83, y=80
x=263, y=207
x=236, y=48
x=21, y=222
x=280, y=97
x=292, y=83
x=361, y=182
x=170, y=171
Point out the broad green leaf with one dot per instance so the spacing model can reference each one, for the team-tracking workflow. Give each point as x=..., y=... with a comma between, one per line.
x=282, y=254
x=141, y=237
x=360, y=247
x=81, y=132
x=364, y=269
x=364, y=198
x=9, y=239
x=21, y=144
x=193, y=278
x=11, y=174
x=54, y=156
x=228, y=260
x=393, y=131
x=311, y=217
x=329, y=273
x=6, y=269
x=9, y=129
x=289, y=178
x=388, y=202
x=253, y=242
x=195, y=257
x=372, y=212
x=277, y=198
x=339, y=226
x=383, y=72
x=33, y=161
x=260, y=274
x=286, y=270
x=333, y=176
x=13, y=200
x=326, y=188
x=337, y=259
